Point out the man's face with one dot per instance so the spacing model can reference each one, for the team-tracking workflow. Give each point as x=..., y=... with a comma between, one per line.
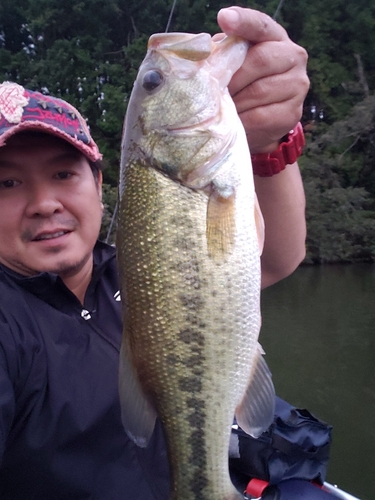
x=50, y=206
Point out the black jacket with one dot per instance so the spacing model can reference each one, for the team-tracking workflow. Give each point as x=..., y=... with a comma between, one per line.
x=61, y=435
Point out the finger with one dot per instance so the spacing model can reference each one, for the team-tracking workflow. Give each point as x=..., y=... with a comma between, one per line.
x=262, y=93
x=261, y=131
x=250, y=24
x=218, y=36
x=280, y=84
x=284, y=115
x=265, y=59
x=267, y=119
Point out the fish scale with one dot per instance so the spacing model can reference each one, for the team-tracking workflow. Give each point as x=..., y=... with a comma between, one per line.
x=190, y=281
x=176, y=284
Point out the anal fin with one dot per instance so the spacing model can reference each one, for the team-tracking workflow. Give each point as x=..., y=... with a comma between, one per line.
x=259, y=224
x=256, y=411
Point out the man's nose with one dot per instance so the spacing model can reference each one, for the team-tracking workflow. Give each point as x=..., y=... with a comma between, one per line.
x=42, y=201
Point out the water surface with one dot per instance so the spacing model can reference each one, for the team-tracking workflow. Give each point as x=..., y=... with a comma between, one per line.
x=319, y=336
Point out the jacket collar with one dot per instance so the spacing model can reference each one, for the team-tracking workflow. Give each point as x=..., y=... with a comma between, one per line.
x=50, y=287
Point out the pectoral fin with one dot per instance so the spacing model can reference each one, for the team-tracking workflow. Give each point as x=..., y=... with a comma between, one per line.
x=257, y=408
x=259, y=224
x=221, y=223
x=137, y=414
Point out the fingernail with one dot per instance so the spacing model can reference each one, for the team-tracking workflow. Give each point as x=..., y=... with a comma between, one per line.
x=232, y=16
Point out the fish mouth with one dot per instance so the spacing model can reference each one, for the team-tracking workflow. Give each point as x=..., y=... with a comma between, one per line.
x=50, y=235
x=194, y=123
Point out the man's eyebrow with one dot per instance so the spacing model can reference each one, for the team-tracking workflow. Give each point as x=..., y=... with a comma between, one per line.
x=6, y=163
x=59, y=157
x=67, y=155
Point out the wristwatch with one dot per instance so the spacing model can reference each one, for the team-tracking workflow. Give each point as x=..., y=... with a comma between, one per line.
x=268, y=164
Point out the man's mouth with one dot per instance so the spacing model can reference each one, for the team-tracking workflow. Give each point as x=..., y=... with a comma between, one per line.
x=50, y=236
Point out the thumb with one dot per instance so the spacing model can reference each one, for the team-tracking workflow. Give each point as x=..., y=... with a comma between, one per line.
x=250, y=24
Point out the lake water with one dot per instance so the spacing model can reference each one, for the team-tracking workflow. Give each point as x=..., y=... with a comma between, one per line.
x=319, y=336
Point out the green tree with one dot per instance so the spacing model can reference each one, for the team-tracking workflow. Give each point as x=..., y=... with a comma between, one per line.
x=89, y=53
x=338, y=173
x=340, y=38
x=78, y=51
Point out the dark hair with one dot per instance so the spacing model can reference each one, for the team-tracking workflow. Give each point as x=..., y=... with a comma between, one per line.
x=96, y=167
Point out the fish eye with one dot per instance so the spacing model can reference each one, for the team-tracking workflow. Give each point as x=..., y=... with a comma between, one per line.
x=152, y=79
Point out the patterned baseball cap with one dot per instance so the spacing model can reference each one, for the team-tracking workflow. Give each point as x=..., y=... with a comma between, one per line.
x=22, y=109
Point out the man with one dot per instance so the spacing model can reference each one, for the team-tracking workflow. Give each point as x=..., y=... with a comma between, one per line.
x=60, y=321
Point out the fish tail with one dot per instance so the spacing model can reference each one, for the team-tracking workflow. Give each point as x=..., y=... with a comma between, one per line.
x=236, y=495
x=198, y=491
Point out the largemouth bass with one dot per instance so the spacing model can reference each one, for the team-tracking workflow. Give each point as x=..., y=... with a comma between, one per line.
x=189, y=240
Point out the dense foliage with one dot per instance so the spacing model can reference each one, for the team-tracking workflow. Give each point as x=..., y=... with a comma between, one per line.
x=88, y=52
x=339, y=177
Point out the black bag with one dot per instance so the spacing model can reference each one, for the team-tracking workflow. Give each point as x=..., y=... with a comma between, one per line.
x=296, y=446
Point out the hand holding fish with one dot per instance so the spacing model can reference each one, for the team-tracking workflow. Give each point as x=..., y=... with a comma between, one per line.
x=268, y=91
x=271, y=85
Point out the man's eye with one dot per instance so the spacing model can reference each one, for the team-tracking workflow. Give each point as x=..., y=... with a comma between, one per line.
x=64, y=175
x=9, y=183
